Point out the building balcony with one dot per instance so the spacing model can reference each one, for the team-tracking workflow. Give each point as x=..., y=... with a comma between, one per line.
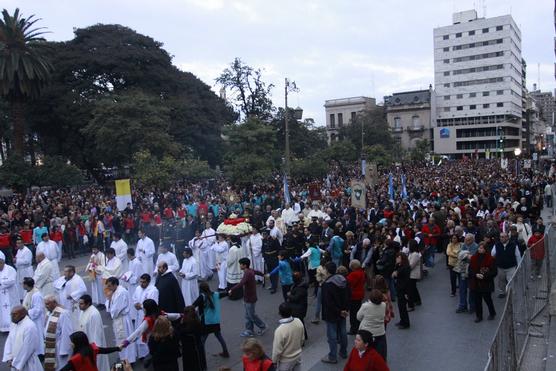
x=416, y=128
x=397, y=130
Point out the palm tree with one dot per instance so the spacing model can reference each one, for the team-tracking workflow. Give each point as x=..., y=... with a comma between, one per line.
x=24, y=70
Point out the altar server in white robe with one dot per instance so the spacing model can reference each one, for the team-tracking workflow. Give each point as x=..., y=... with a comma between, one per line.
x=221, y=250
x=44, y=275
x=59, y=327
x=189, y=274
x=8, y=293
x=113, y=267
x=195, y=246
x=120, y=247
x=50, y=249
x=169, y=257
x=90, y=322
x=22, y=345
x=33, y=302
x=209, y=239
x=117, y=306
x=23, y=264
x=70, y=288
x=256, y=255
x=143, y=292
x=131, y=277
x=97, y=260
x=145, y=252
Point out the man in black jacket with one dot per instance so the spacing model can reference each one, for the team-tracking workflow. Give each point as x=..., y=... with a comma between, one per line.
x=507, y=257
x=335, y=304
x=170, y=298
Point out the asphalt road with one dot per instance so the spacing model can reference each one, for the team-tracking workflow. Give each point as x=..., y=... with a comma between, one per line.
x=439, y=339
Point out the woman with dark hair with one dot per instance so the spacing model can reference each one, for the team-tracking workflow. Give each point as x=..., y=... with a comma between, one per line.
x=401, y=275
x=297, y=298
x=482, y=270
x=415, y=264
x=363, y=356
x=84, y=357
x=163, y=346
x=191, y=332
x=208, y=303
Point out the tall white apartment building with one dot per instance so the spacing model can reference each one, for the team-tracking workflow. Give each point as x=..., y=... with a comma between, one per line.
x=478, y=83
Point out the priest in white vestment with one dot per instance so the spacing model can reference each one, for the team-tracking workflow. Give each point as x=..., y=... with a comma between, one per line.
x=189, y=274
x=142, y=292
x=8, y=293
x=209, y=239
x=131, y=277
x=50, y=249
x=22, y=345
x=195, y=245
x=23, y=262
x=169, y=257
x=145, y=252
x=59, y=327
x=113, y=267
x=256, y=255
x=45, y=275
x=117, y=306
x=33, y=302
x=94, y=269
x=120, y=247
x=70, y=288
x=221, y=250
x=90, y=322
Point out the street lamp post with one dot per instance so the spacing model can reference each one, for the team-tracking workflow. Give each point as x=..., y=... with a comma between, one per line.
x=517, y=152
x=289, y=86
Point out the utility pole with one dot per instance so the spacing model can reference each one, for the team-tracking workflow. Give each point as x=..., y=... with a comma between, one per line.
x=286, y=127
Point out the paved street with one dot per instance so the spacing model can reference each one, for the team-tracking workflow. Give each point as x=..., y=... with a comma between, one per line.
x=439, y=339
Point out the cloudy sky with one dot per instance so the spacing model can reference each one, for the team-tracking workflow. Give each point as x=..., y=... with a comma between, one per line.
x=331, y=48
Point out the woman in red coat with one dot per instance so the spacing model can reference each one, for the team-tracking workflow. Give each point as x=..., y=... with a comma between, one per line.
x=356, y=281
x=482, y=270
x=536, y=249
x=84, y=356
x=363, y=356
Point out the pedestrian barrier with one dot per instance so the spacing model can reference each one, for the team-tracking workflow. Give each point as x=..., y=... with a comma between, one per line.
x=518, y=342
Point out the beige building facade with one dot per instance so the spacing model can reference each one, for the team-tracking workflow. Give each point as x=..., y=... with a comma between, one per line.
x=341, y=112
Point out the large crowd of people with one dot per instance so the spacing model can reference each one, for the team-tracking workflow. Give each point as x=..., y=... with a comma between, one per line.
x=151, y=263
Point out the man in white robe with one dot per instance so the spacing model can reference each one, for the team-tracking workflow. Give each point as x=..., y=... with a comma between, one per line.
x=256, y=255
x=195, y=245
x=113, y=267
x=131, y=277
x=70, y=288
x=23, y=262
x=120, y=247
x=33, y=302
x=145, y=252
x=117, y=306
x=209, y=239
x=90, y=322
x=59, y=327
x=22, y=345
x=168, y=257
x=8, y=293
x=45, y=275
x=189, y=274
x=50, y=250
x=234, y=274
x=95, y=269
x=142, y=292
x=221, y=250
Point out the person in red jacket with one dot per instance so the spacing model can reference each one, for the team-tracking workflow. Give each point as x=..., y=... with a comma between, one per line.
x=431, y=233
x=363, y=356
x=254, y=358
x=356, y=281
x=84, y=357
x=536, y=248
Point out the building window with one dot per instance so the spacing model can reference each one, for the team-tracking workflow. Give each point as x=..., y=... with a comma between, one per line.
x=499, y=104
x=499, y=92
x=485, y=30
x=445, y=37
x=473, y=106
x=397, y=122
x=486, y=93
x=353, y=115
x=472, y=95
x=458, y=34
x=459, y=96
x=486, y=105
x=415, y=121
x=499, y=41
x=459, y=108
x=340, y=120
x=332, y=121
x=447, y=85
x=471, y=33
x=446, y=109
x=446, y=73
x=446, y=49
x=499, y=28
x=446, y=97
x=446, y=61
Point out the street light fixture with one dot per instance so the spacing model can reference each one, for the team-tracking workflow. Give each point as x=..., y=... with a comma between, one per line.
x=517, y=152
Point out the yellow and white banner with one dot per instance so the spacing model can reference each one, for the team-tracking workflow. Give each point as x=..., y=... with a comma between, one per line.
x=123, y=193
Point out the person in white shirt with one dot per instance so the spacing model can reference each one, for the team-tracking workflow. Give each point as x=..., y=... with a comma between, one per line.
x=50, y=250
x=120, y=247
x=275, y=232
x=23, y=263
x=289, y=215
x=189, y=274
x=118, y=305
x=95, y=268
x=9, y=297
x=22, y=345
x=33, y=302
x=145, y=252
x=221, y=250
x=113, y=267
x=45, y=275
x=131, y=277
x=168, y=257
x=143, y=292
x=90, y=322
x=70, y=288
x=255, y=249
x=209, y=239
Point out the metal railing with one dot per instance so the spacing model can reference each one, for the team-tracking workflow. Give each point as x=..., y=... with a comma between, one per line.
x=522, y=323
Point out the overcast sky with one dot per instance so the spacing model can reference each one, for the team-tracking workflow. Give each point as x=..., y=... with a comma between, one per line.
x=332, y=49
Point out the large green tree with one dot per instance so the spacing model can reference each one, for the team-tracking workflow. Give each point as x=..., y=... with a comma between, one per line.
x=24, y=69
x=375, y=129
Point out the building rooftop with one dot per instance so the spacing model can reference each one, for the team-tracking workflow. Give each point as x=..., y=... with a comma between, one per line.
x=349, y=101
x=408, y=98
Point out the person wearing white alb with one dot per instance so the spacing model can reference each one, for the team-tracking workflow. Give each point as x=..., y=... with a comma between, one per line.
x=209, y=239
x=94, y=268
x=168, y=257
x=50, y=250
x=256, y=247
x=117, y=306
x=289, y=216
x=120, y=247
x=145, y=252
x=113, y=267
x=33, y=302
x=221, y=250
x=90, y=322
x=142, y=292
x=8, y=293
x=22, y=345
x=70, y=288
x=189, y=273
x=23, y=264
x=45, y=275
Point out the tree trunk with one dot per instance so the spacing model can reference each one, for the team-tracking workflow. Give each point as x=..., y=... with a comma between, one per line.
x=18, y=121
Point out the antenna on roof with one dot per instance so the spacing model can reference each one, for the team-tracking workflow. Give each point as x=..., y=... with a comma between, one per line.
x=539, y=76
x=484, y=9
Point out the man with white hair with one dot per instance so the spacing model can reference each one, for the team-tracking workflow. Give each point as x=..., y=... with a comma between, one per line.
x=9, y=297
x=23, y=264
x=45, y=275
x=59, y=327
x=22, y=345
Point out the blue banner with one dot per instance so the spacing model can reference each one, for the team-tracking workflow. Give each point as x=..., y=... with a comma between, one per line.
x=391, y=187
x=404, y=188
x=286, y=190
